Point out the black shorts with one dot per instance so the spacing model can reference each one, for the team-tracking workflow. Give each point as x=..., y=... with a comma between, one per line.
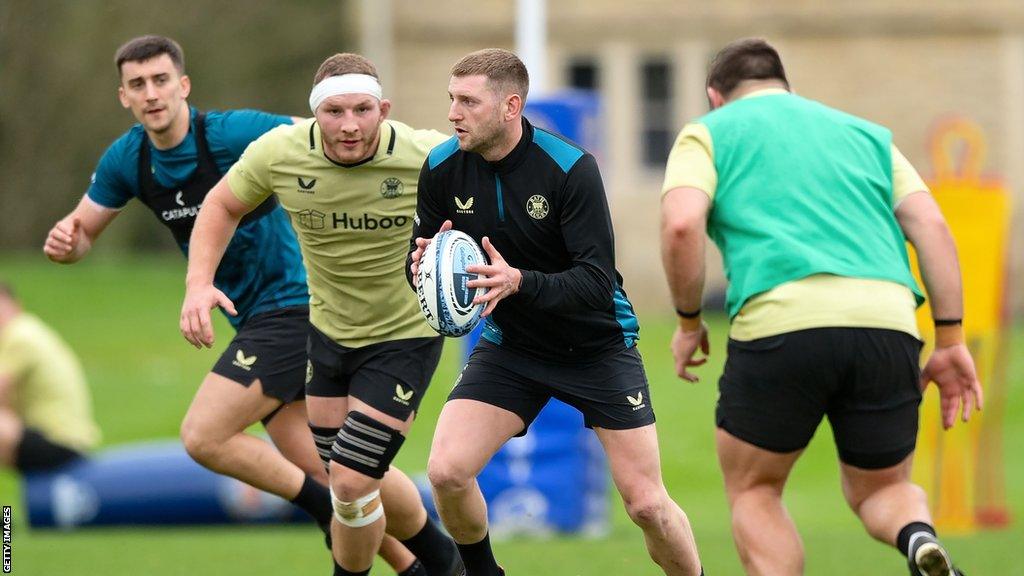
x=611, y=392
x=37, y=453
x=390, y=376
x=270, y=347
x=775, y=390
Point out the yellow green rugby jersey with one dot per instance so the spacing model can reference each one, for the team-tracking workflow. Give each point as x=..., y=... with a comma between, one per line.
x=353, y=224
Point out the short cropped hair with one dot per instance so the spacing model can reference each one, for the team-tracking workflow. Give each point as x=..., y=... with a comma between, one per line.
x=745, y=59
x=345, y=63
x=145, y=47
x=503, y=69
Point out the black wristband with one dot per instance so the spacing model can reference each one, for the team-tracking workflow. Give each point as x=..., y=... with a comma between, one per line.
x=948, y=321
x=688, y=315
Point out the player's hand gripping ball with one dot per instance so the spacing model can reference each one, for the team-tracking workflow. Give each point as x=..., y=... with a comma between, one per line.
x=445, y=299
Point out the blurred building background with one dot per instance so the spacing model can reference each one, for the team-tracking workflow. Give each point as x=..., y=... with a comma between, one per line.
x=905, y=65
x=902, y=64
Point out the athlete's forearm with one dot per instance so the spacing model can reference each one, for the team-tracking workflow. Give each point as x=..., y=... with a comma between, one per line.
x=83, y=226
x=582, y=287
x=926, y=229
x=683, y=260
x=940, y=270
x=590, y=281
x=211, y=234
x=683, y=228
x=682, y=256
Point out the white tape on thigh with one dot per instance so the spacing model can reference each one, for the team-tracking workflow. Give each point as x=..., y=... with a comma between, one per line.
x=362, y=512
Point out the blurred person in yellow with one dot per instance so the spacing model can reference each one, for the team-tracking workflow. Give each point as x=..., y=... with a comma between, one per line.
x=811, y=209
x=45, y=408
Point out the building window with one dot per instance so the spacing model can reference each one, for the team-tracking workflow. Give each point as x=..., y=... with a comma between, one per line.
x=656, y=98
x=582, y=74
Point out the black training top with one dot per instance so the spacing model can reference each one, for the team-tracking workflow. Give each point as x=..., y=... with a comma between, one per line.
x=543, y=207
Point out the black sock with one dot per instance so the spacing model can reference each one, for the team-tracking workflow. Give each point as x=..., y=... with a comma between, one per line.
x=415, y=569
x=479, y=558
x=339, y=571
x=903, y=539
x=315, y=499
x=435, y=550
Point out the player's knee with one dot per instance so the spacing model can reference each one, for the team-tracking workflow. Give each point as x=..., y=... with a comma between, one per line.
x=857, y=493
x=201, y=449
x=356, y=512
x=446, y=475
x=860, y=484
x=199, y=445
x=362, y=453
x=647, y=513
x=753, y=496
x=917, y=493
x=348, y=485
x=853, y=494
x=646, y=509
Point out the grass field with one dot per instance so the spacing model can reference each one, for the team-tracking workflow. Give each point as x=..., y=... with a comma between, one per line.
x=121, y=317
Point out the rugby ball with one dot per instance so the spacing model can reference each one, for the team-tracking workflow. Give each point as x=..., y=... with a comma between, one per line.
x=445, y=299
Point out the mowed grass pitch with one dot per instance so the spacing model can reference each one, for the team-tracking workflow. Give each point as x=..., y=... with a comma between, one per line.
x=121, y=314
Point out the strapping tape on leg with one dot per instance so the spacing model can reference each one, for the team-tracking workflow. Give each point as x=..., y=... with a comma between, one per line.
x=362, y=512
x=366, y=445
x=324, y=439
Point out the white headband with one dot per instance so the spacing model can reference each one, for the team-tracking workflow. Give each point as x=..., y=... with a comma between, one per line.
x=344, y=84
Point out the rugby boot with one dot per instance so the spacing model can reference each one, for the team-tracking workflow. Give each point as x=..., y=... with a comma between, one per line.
x=928, y=558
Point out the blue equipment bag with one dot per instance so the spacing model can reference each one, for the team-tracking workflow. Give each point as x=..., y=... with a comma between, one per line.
x=148, y=483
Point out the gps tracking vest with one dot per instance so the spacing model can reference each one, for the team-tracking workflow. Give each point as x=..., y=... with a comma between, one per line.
x=782, y=210
x=177, y=209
